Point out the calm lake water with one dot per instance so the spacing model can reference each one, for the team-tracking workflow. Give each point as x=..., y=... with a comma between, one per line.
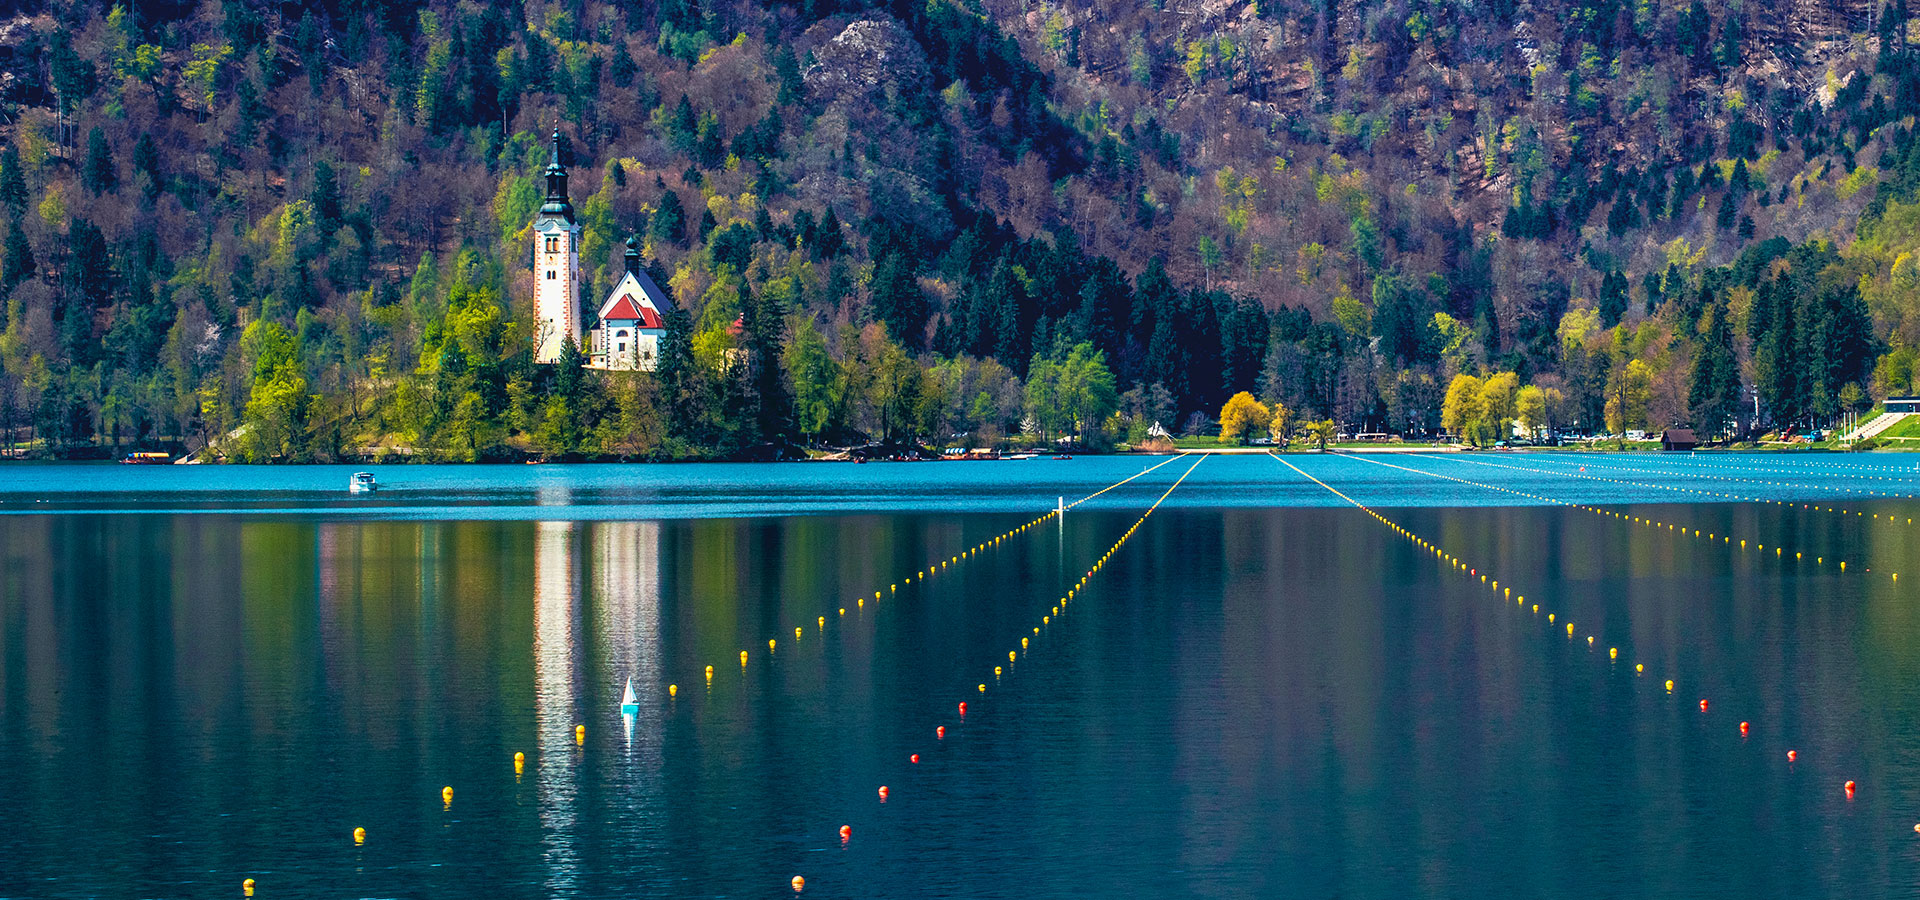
x=213, y=674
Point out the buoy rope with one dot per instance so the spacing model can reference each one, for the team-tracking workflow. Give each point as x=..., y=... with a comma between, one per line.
x=1891, y=520
x=1787, y=460
x=1120, y=482
x=1029, y=642
x=1722, y=476
x=1710, y=468
x=932, y=570
x=1625, y=518
x=1818, y=560
x=1457, y=565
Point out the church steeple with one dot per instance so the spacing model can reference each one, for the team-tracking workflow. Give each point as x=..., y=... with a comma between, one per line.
x=557, y=203
x=633, y=255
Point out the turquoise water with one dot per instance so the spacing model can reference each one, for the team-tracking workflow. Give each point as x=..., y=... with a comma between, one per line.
x=213, y=674
x=616, y=492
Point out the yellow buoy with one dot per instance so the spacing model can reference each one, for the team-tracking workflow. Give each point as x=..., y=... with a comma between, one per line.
x=1669, y=685
x=359, y=835
x=1639, y=668
x=1613, y=652
x=673, y=690
x=1011, y=656
x=246, y=887
x=709, y=673
x=579, y=734
x=823, y=621
x=519, y=763
x=983, y=689
x=996, y=671
x=743, y=659
x=446, y=794
x=1023, y=643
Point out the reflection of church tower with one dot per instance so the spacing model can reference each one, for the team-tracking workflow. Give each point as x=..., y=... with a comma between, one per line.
x=625, y=589
x=555, y=602
x=556, y=266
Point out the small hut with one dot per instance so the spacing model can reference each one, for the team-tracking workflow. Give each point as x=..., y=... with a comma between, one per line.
x=1678, y=439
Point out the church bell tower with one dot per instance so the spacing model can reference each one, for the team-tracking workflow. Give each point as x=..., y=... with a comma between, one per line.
x=556, y=266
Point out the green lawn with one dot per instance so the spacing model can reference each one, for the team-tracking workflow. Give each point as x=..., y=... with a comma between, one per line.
x=1908, y=427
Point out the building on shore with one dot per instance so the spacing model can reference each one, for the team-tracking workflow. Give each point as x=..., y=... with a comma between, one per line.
x=632, y=323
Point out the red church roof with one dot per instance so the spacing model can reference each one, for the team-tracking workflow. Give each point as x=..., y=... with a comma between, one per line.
x=626, y=310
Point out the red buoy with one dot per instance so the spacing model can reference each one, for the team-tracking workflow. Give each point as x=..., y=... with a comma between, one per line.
x=883, y=793
x=1791, y=756
x=963, y=709
x=915, y=759
x=799, y=884
x=940, y=732
x=1703, y=705
x=1743, y=729
x=846, y=832
x=1849, y=790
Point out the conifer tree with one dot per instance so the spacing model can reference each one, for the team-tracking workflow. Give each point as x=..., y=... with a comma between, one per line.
x=99, y=175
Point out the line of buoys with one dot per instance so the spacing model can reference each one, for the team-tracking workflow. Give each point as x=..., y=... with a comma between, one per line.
x=1778, y=552
x=1605, y=513
x=961, y=707
x=1455, y=564
x=1727, y=477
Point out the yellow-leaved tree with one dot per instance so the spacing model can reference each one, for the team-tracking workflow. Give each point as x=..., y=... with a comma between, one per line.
x=1241, y=417
x=1461, y=411
x=1281, y=423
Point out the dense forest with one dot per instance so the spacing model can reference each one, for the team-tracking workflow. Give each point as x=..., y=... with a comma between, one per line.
x=299, y=231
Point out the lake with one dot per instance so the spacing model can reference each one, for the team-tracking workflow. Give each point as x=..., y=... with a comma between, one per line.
x=210, y=674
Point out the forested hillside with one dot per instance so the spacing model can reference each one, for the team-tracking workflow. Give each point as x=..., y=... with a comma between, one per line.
x=299, y=231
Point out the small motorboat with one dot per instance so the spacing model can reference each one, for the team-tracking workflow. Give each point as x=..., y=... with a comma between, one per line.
x=629, y=704
x=362, y=483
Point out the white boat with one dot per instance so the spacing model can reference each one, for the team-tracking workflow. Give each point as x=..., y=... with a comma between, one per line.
x=629, y=704
x=361, y=483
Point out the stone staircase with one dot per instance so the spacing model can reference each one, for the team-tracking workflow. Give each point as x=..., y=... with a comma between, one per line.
x=1874, y=426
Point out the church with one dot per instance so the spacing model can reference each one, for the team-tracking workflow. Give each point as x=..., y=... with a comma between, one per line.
x=631, y=321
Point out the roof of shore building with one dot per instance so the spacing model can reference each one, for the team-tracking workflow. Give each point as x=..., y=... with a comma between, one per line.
x=636, y=299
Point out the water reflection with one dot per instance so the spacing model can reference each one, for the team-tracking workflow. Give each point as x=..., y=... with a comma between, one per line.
x=556, y=671
x=1246, y=703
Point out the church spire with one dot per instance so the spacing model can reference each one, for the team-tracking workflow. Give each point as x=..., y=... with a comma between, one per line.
x=633, y=255
x=557, y=203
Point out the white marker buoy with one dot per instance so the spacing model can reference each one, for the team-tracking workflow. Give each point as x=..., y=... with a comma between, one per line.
x=629, y=704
